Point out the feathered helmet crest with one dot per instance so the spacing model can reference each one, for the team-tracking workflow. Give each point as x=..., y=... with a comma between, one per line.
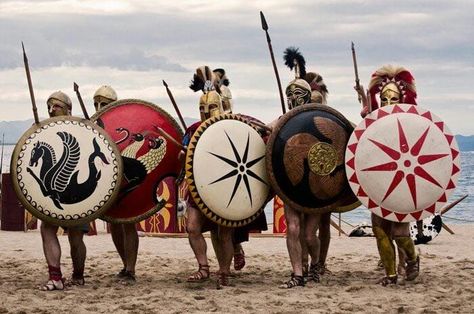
x=203, y=80
x=295, y=60
x=390, y=75
x=318, y=87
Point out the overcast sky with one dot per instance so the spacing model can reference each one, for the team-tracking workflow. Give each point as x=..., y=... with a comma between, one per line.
x=133, y=45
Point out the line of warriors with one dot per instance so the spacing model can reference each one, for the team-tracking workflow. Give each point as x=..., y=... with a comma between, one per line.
x=308, y=235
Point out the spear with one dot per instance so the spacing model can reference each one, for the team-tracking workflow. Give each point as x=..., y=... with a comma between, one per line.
x=30, y=85
x=170, y=95
x=170, y=138
x=448, y=207
x=356, y=71
x=265, y=28
x=79, y=97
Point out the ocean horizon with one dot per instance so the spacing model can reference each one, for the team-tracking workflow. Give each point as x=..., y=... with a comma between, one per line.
x=462, y=213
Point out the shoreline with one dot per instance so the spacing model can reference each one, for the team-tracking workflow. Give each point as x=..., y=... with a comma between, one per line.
x=446, y=282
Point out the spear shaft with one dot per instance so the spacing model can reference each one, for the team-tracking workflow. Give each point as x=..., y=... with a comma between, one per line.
x=356, y=71
x=30, y=85
x=175, y=105
x=170, y=138
x=265, y=28
x=79, y=97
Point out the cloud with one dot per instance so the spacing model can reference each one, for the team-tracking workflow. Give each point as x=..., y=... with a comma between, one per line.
x=133, y=45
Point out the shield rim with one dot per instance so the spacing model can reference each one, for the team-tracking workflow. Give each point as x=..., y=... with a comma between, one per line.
x=65, y=223
x=190, y=176
x=160, y=204
x=364, y=125
x=269, y=164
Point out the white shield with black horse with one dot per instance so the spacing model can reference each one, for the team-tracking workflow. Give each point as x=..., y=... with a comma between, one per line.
x=225, y=170
x=66, y=171
x=402, y=162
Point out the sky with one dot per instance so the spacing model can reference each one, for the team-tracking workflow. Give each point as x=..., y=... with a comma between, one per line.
x=134, y=45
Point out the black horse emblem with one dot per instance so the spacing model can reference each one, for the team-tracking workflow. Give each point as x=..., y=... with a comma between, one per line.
x=57, y=179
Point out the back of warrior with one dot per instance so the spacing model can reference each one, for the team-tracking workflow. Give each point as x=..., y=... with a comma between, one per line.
x=124, y=236
x=394, y=85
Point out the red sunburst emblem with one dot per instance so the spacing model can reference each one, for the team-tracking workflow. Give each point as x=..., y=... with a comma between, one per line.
x=393, y=154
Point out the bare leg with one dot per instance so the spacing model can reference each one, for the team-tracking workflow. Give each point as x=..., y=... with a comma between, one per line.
x=51, y=247
x=198, y=244
x=116, y=230
x=78, y=254
x=226, y=249
x=304, y=246
x=52, y=253
x=215, y=242
x=226, y=252
x=312, y=242
x=293, y=240
x=324, y=238
x=130, y=246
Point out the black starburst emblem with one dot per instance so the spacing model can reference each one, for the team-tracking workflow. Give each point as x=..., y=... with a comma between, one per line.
x=241, y=168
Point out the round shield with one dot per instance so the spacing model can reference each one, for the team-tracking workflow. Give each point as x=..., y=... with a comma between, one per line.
x=66, y=171
x=305, y=159
x=225, y=170
x=402, y=162
x=148, y=155
x=430, y=228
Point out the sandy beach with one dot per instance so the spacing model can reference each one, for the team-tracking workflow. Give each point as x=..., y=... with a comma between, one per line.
x=445, y=284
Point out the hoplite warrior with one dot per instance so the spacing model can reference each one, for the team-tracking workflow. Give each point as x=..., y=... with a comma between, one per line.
x=124, y=235
x=301, y=227
x=59, y=104
x=395, y=85
x=210, y=105
x=240, y=234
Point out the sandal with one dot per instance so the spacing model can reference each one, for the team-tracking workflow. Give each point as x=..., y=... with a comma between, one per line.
x=389, y=280
x=122, y=273
x=239, y=260
x=412, y=269
x=128, y=278
x=323, y=269
x=201, y=275
x=314, y=272
x=306, y=272
x=75, y=282
x=295, y=281
x=222, y=280
x=52, y=285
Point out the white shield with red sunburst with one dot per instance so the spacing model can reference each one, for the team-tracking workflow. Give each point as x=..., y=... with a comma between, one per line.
x=402, y=162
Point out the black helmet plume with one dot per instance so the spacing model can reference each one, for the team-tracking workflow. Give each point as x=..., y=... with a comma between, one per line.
x=291, y=54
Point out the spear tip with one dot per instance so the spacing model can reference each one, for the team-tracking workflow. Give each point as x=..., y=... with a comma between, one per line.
x=24, y=53
x=76, y=87
x=352, y=44
x=164, y=83
x=264, y=22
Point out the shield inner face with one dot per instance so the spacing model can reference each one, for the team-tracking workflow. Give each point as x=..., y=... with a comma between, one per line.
x=404, y=162
x=229, y=169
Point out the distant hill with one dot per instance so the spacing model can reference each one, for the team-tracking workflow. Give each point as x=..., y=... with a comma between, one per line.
x=466, y=143
x=14, y=129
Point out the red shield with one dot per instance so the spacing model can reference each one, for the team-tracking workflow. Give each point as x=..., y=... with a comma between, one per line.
x=148, y=157
x=402, y=162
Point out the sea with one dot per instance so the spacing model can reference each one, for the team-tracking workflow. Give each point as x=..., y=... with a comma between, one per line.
x=463, y=213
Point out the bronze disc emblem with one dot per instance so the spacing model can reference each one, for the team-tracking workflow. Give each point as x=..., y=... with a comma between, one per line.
x=322, y=158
